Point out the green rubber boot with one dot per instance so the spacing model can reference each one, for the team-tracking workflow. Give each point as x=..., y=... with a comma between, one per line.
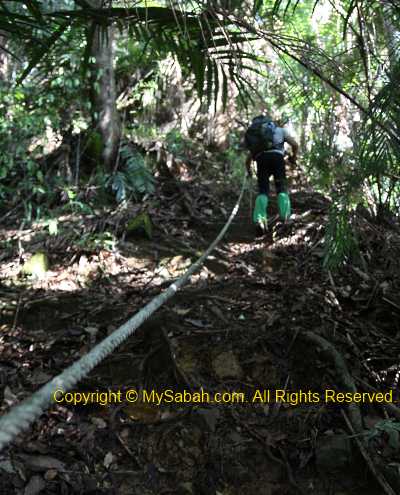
x=260, y=212
x=284, y=206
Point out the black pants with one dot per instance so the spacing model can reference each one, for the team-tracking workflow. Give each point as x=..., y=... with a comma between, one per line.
x=271, y=164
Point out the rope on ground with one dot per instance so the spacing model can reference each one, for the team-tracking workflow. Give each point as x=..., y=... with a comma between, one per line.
x=21, y=416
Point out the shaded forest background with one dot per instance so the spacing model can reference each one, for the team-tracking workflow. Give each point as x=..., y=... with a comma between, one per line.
x=96, y=95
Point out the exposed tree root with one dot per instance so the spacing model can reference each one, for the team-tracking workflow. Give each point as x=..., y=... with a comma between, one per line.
x=378, y=476
x=346, y=380
x=354, y=421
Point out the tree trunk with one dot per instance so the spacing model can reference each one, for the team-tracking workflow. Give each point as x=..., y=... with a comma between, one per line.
x=4, y=58
x=106, y=121
x=391, y=33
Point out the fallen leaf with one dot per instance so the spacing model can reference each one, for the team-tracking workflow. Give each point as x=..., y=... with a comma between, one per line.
x=197, y=323
x=147, y=413
x=181, y=311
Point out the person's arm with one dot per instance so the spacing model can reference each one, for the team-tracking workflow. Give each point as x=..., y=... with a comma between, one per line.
x=295, y=147
x=249, y=159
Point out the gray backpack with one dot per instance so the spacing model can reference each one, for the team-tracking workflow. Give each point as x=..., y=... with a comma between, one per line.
x=260, y=136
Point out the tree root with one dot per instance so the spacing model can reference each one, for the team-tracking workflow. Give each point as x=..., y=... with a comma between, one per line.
x=354, y=421
x=378, y=476
x=345, y=378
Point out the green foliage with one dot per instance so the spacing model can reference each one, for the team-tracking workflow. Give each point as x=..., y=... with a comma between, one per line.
x=175, y=142
x=103, y=240
x=142, y=132
x=178, y=144
x=17, y=132
x=25, y=134
x=340, y=241
x=135, y=178
x=206, y=45
x=345, y=51
x=378, y=148
x=141, y=223
x=74, y=204
x=94, y=145
x=133, y=61
x=233, y=158
x=50, y=102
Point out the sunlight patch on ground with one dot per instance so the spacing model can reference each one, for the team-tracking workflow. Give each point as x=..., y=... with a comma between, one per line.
x=240, y=247
x=301, y=236
x=81, y=271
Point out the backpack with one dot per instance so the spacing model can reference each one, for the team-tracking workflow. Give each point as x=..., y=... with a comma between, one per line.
x=260, y=136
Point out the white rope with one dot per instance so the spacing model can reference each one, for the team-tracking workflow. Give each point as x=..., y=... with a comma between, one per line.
x=21, y=416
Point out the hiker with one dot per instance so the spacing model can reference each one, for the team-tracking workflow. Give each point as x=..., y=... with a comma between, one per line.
x=265, y=141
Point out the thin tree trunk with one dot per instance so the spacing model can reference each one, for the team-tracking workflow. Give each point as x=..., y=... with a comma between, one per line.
x=106, y=120
x=4, y=58
x=391, y=33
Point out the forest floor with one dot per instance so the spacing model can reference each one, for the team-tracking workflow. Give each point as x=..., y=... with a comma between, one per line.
x=248, y=322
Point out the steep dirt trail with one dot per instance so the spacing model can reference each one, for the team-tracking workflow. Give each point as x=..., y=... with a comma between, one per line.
x=235, y=330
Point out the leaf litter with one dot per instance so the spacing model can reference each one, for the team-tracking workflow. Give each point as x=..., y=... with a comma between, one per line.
x=237, y=327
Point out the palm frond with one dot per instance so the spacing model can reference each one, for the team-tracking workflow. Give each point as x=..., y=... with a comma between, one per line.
x=340, y=241
x=42, y=50
x=379, y=152
x=204, y=43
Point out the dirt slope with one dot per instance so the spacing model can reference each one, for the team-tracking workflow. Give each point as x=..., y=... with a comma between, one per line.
x=241, y=327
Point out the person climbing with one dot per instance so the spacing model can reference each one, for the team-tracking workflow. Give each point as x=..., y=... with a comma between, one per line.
x=265, y=141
